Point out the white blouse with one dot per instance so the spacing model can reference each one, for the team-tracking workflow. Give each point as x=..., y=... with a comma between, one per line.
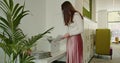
x=77, y=26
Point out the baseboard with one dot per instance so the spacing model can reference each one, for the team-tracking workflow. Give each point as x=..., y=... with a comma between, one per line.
x=91, y=59
x=58, y=61
x=65, y=62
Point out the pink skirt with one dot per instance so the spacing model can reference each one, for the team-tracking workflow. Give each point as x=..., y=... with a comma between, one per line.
x=75, y=49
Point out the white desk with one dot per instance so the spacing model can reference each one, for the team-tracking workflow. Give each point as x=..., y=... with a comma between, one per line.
x=56, y=56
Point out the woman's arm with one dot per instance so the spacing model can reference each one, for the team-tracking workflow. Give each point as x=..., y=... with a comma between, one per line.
x=78, y=27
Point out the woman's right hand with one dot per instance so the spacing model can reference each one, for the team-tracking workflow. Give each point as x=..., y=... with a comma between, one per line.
x=66, y=35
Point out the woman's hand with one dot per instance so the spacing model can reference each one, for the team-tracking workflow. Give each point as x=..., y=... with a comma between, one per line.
x=66, y=35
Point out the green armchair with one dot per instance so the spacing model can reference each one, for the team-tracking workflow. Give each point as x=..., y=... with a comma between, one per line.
x=102, y=42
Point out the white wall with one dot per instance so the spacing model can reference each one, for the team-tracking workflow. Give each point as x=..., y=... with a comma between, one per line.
x=107, y=4
x=54, y=16
x=79, y=5
x=33, y=23
x=102, y=19
x=94, y=10
x=1, y=56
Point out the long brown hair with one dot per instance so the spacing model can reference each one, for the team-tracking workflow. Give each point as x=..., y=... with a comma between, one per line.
x=68, y=12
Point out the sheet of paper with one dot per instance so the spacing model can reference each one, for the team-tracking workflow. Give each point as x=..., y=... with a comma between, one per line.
x=58, y=38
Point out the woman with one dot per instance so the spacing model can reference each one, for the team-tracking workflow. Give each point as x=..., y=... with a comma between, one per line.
x=74, y=21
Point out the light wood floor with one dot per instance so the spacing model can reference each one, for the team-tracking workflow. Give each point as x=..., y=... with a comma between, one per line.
x=106, y=59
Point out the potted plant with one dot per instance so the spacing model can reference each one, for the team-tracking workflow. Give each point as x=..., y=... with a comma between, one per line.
x=13, y=41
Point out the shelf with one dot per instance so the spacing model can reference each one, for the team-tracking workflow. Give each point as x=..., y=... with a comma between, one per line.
x=56, y=56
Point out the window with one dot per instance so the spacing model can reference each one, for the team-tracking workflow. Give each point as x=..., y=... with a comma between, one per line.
x=114, y=16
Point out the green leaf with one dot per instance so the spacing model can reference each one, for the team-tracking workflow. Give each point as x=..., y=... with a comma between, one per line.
x=14, y=9
x=31, y=41
x=48, y=31
x=24, y=58
x=1, y=24
x=6, y=30
x=11, y=4
x=18, y=36
x=6, y=3
x=6, y=48
x=3, y=37
x=4, y=11
x=18, y=19
x=3, y=5
x=4, y=21
x=17, y=12
x=3, y=28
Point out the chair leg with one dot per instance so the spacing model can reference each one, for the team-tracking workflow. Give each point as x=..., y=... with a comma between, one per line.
x=111, y=51
x=111, y=57
x=98, y=56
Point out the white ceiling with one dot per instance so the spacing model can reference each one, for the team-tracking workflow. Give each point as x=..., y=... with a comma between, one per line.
x=110, y=5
